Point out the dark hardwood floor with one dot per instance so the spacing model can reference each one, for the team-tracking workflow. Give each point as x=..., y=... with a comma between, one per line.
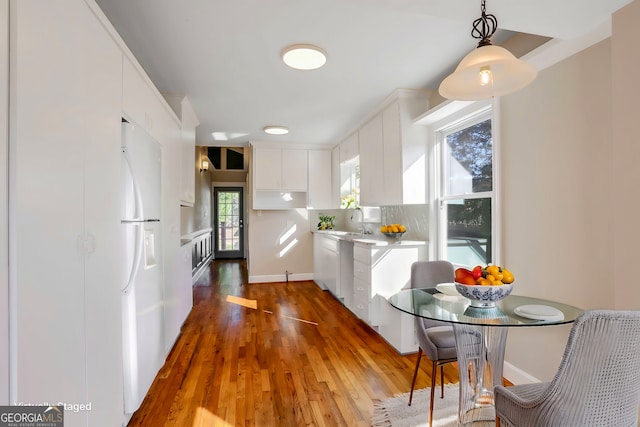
x=300, y=358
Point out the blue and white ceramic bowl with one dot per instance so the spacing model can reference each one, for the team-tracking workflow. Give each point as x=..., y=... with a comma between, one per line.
x=484, y=296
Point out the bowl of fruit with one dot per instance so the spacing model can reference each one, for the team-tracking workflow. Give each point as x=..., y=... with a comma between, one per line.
x=484, y=285
x=395, y=231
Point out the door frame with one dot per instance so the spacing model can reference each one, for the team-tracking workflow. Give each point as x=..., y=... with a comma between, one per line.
x=221, y=186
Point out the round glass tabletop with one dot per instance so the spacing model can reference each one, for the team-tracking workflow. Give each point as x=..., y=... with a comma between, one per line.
x=514, y=310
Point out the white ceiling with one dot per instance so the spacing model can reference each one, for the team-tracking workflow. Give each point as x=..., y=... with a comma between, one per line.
x=224, y=55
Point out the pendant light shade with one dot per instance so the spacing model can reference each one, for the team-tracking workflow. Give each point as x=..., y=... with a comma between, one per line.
x=486, y=72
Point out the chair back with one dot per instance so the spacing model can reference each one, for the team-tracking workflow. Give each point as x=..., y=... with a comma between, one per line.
x=598, y=381
x=427, y=274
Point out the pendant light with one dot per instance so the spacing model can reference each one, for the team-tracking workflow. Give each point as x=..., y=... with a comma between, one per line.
x=488, y=70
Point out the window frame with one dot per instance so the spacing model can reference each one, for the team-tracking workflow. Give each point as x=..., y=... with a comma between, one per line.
x=463, y=117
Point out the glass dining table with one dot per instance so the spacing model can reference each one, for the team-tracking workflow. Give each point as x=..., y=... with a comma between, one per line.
x=481, y=335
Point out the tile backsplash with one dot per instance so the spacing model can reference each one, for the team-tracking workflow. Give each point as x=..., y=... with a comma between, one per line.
x=414, y=217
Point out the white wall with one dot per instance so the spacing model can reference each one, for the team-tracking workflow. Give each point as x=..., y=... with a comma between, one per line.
x=569, y=178
x=270, y=234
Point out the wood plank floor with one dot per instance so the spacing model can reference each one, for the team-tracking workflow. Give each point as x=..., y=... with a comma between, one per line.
x=300, y=358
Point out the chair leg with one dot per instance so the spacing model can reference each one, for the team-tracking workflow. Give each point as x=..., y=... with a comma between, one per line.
x=415, y=374
x=441, y=381
x=497, y=421
x=434, y=374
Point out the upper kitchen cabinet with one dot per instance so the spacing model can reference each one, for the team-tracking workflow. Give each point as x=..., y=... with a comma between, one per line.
x=138, y=99
x=372, y=173
x=320, y=179
x=189, y=122
x=393, y=152
x=279, y=177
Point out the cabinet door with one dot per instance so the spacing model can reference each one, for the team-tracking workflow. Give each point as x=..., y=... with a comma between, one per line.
x=267, y=163
x=188, y=167
x=392, y=152
x=349, y=148
x=371, y=162
x=66, y=145
x=320, y=179
x=294, y=170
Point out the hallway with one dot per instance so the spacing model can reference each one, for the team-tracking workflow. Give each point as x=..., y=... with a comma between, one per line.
x=299, y=358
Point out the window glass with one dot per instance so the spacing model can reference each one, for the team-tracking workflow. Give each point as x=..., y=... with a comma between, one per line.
x=468, y=230
x=468, y=159
x=465, y=195
x=350, y=184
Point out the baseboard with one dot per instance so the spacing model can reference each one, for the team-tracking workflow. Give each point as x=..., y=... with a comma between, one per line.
x=293, y=277
x=196, y=275
x=517, y=375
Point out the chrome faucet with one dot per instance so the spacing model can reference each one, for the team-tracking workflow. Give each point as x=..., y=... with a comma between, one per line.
x=363, y=231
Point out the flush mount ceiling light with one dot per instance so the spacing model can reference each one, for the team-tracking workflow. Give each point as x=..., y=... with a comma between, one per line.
x=488, y=70
x=304, y=56
x=276, y=130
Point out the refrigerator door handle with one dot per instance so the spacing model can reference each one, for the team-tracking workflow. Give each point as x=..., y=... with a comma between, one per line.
x=137, y=255
x=139, y=214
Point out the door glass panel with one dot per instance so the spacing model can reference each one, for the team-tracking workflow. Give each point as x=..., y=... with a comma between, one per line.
x=228, y=221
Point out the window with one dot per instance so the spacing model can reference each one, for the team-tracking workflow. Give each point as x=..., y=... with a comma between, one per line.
x=350, y=184
x=464, y=190
x=226, y=158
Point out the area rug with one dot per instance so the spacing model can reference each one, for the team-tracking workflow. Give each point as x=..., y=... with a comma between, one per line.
x=394, y=412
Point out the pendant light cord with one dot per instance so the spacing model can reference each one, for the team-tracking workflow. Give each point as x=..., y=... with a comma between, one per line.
x=484, y=27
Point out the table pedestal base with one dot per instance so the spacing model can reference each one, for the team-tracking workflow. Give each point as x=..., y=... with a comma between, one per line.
x=480, y=358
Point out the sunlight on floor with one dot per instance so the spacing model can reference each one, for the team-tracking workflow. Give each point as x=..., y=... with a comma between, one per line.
x=249, y=303
x=205, y=418
x=293, y=318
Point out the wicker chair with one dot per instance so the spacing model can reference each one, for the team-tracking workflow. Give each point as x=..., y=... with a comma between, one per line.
x=435, y=339
x=597, y=383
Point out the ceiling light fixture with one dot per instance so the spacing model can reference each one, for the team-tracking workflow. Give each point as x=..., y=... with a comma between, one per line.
x=276, y=130
x=488, y=70
x=304, y=56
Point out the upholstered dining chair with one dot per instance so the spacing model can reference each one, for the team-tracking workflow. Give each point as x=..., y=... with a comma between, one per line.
x=597, y=383
x=435, y=339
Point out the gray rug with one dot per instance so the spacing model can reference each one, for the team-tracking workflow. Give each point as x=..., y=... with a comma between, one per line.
x=394, y=412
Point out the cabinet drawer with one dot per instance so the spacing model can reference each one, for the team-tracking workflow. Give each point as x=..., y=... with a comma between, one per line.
x=362, y=271
x=361, y=290
x=362, y=254
x=328, y=243
x=361, y=309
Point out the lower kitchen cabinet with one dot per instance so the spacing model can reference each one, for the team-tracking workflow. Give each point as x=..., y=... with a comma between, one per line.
x=379, y=272
x=326, y=263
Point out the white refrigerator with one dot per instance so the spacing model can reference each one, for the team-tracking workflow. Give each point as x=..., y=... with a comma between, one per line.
x=142, y=295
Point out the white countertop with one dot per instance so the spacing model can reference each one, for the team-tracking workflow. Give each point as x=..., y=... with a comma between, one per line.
x=368, y=239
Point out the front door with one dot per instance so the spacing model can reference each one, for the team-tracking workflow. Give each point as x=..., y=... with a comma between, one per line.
x=229, y=222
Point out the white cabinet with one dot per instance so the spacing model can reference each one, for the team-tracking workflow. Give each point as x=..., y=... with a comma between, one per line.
x=279, y=178
x=349, y=148
x=371, y=163
x=393, y=154
x=333, y=266
x=65, y=140
x=4, y=202
x=320, y=179
x=280, y=169
x=346, y=272
x=189, y=122
x=379, y=271
x=326, y=263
